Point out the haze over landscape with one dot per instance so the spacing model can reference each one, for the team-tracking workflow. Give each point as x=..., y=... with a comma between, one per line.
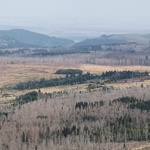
x=75, y=75
x=76, y=19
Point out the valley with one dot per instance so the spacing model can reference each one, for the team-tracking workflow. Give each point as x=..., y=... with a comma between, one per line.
x=76, y=97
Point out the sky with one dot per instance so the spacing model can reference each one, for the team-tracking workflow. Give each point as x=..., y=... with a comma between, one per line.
x=76, y=14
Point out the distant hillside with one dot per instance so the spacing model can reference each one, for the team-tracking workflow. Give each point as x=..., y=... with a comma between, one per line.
x=20, y=37
x=116, y=39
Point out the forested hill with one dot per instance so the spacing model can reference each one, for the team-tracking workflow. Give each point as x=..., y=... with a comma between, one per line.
x=116, y=39
x=20, y=37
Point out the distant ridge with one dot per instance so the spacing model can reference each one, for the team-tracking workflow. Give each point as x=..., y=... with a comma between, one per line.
x=116, y=39
x=21, y=37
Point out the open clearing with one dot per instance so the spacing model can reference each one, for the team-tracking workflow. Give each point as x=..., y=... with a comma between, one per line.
x=8, y=95
x=12, y=74
x=100, y=69
x=16, y=73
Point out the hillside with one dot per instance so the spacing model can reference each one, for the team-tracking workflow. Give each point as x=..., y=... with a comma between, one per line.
x=24, y=38
x=116, y=39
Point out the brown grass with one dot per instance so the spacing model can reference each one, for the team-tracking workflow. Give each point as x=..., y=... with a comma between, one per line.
x=100, y=69
x=130, y=83
x=15, y=73
x=13, y=94
x=145, y=146
x=12, y=74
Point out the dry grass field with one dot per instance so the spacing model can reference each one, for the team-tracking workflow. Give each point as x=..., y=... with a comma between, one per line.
x=12, y=74
x=15, y=73
x=8, y=95
x=143, y=146
x=100, y=69
x=130, y=83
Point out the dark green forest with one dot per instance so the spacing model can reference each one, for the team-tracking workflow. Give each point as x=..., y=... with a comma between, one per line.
x=76, y=77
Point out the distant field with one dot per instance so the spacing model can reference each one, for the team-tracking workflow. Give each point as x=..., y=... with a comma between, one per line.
x=64, y=112
x=100, y=69
x=7, y=95
x=130, y=83
x=12, y=74
x=145, y=146
x=15, y=73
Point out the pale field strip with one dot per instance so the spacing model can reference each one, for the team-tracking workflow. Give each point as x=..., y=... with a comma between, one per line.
x=121, y=85
x=142, y=147
x=15, y=73
x=13, y=94
x=100, y=69
x=12, y=74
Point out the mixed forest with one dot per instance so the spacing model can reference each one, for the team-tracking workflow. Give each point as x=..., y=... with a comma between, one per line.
x=85, y=97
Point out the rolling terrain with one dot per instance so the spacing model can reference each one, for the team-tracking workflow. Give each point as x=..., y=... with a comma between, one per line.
x=24, y=38
x=116, y=39
x=98, y=99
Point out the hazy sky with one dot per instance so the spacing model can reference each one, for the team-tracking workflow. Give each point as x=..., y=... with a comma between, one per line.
x=103, y=13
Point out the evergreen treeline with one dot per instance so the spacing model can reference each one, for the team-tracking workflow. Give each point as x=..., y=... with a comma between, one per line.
x=121, y=129
x=76, y=77
x=28, y=97
x=55, y=82
x=132, y=102
x=125, y=126
x=71, y=72
x=118, y=75
x=135, y=103
x=75, y=117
